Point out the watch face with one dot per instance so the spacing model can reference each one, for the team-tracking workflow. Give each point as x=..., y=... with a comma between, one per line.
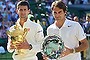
x=53, y=46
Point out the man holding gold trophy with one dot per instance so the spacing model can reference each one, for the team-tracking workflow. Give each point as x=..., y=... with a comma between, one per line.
x=25, y=37
x=70, y=32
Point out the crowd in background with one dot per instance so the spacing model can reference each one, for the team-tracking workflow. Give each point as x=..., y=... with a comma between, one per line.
x=76, y=1
x=8, y=15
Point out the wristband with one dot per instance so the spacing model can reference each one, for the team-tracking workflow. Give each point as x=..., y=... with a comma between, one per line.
x=30, y=46
x=74, y=51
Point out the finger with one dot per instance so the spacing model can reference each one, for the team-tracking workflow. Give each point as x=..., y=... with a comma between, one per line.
x=44, y=55
x=18, y=47
x=45, y=58
x=67, y=47
x=12, y=46
x=62, y=55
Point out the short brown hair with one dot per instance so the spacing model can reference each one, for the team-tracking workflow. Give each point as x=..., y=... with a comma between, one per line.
x=59, y=4
x=23, y=3
x=88, y=16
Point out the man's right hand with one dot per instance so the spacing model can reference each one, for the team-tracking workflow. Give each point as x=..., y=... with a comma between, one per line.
x=45, y=57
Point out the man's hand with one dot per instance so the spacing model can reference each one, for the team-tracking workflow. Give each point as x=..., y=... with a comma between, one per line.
x=66, y=52
x=45, y=57
x=23, y=45
x=12, y=46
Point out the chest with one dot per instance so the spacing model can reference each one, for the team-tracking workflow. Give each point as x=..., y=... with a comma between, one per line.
x=65, y=31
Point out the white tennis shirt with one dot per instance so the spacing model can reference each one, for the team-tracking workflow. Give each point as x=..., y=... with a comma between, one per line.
x=71, y=33
x=34, y=37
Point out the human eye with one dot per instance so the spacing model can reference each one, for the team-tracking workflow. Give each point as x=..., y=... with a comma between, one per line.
x=24, y=9
x=20, y=10
x=55, y=12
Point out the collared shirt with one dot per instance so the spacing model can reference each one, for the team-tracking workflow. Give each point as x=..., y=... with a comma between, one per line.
x=71, y=33
x=33, y=37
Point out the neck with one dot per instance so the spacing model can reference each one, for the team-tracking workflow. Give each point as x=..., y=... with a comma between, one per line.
x=59, y=23
x=22, y=21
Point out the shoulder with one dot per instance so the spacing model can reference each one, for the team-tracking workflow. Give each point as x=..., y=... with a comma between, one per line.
x=33, y=24
x=12, y=28
x=51, y=26
x=73, y=23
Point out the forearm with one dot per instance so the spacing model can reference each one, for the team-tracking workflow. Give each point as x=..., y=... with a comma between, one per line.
x=83, y=46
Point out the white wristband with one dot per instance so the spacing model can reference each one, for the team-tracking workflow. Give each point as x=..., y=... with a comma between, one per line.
x=74, y=51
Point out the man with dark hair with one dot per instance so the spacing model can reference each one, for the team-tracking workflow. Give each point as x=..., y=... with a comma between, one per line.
x=87, y=25
x=1, y=17
x=33, y=38
x=69, y=31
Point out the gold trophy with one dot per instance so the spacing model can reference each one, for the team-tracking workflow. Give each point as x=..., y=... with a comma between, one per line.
x=17, y=36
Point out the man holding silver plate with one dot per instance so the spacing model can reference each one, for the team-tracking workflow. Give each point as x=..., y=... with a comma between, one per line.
x=52, y=46
x=69, y=31
x=25, y=37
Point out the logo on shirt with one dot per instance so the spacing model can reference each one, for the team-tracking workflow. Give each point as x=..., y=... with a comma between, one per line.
x=69, y=26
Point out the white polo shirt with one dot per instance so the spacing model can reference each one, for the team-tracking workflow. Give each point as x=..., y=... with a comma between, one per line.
x=33, y=37
x=71, y=33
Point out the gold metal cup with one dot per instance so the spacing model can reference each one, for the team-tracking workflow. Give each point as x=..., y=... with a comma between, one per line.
x=17, y=36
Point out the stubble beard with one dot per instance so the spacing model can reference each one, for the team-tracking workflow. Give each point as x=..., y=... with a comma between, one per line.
x=57, y=19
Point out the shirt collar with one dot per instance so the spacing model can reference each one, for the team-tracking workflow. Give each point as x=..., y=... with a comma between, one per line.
x=66, y=23
x=19, y=21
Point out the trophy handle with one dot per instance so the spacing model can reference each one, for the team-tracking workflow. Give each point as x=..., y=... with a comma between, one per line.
x=25, y=32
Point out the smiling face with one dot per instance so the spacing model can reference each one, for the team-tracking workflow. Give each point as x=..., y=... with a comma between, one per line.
x=23, y=11
x=58, y=13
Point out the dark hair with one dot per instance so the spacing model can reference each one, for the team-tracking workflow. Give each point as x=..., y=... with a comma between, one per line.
x=88, y=16
x=23, y=3
x=59, y=4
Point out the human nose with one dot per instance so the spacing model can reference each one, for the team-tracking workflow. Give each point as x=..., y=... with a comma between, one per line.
x=57, y=15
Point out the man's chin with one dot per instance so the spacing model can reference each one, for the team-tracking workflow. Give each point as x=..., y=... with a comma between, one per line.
x=57, y=19
x=23, y=17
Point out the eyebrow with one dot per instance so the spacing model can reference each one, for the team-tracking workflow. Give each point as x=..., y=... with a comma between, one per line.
x=58, y=12
x=22, y=9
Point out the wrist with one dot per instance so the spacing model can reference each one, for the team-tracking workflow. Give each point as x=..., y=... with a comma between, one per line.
x=74, y=51
x=30, y=46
